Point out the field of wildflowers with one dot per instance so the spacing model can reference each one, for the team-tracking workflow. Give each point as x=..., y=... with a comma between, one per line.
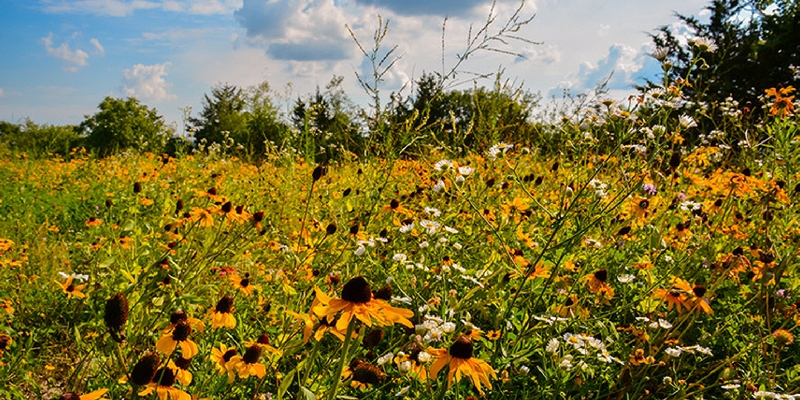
x=632, y=265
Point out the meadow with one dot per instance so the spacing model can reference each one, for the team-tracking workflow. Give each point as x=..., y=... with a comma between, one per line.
x=632, y=264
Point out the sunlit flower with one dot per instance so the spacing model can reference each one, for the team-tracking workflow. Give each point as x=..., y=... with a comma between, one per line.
x=357, y=302
x=71, y=289
x=704, y=44
x=222, y=314
x=162, y=384
x=221, y=357
x=247, y=364
x=363, y=374
x=461, y=363
x=178, y=336
x=243, y=284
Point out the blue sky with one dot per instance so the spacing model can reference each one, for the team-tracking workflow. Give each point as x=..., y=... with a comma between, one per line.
x=62, y=57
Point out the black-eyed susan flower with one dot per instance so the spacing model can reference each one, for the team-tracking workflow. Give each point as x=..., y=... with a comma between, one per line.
x=357, y=302
x=247, y=364
x=181, y=316
x=95, y=395
x=145, y=369
x=178, y=337
x=461, y=363
x=116, y=315
x=92, y=221
x=675, y=296
x=242, y=283
x=699, y=302
x=180, y=366
x=162, y=384
x=71, y=289
x=222, y=314
x=363, y=374
x=221, y=356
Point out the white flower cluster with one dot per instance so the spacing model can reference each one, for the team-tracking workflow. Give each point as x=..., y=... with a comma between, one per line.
x=584, y=344
x=433, y=328
x=80, y=277
x=497, y=149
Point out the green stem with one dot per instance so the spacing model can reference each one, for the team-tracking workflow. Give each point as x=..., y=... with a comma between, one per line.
x=337, y=377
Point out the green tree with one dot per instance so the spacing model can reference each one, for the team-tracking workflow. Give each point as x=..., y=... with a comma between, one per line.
x=223, y=115
x=754, y=44
x=123, y=124
x=326, y=124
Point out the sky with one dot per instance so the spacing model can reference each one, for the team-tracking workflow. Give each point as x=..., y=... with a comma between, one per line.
x=61, y=58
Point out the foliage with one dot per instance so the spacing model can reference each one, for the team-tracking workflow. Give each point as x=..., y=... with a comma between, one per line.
x=124, y=124
x=752, y=46
x=326, y=126
x=39, y=140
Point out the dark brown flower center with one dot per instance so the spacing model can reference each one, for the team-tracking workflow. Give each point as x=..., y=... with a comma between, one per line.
x=70, y=288
x=69, y=396
x=462, y=348
x=145, y=369
x=368, y=373
x=116, y=314
x=183, y=363
x=178, y=316
x=263, y=339
x=601, y=275
x=252, y=354
x=357, y=290
x=244, y=282
x=226, y=208
x=181, y=332
x=225, y=304
x=228, y=355
x=165, y=377
x=644, y=204
x=699, y=291
x=384, y=293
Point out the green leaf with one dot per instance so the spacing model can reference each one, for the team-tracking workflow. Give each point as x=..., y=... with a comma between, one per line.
x=305, y=394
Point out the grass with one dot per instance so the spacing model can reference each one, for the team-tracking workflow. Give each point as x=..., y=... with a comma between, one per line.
x=667, y=272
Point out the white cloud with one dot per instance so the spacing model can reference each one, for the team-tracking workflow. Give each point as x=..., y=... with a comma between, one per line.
x=99, y=49
x=305, y=30
x=619, y=69
x=540, y=53
x=146, y=82
x=122, y=8
x=74, y=58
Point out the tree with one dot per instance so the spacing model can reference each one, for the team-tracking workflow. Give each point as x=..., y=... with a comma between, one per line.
x=124, y=124
x=223, y=115
x=326, y=123
x=753, y=45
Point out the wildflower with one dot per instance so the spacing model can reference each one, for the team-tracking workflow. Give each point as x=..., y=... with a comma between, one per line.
x=783, y=104
x=700, y=303
x=495, y=150
x=72, y=290
x=704, y=44
x=180, y=366
x=92, y=221
x=638, y=358
x=222, y=315
x=116, y=315
x=661, y=53
x=163, y=383
x=460, y=362
x=247, y=365
x=674, y=297
x=96, y=395
x=357, y=301
x=686, y=121
x=221, y=357
x=178, y=336
x=364, y=374
x=244, y=284
x=145, y=369
x=782, y=338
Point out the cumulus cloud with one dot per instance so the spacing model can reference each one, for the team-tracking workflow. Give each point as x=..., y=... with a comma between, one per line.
x=427, y=7
x=122, y=8
x=73, y=58
x=620, y=69
x=305, y=30
x=146, y=82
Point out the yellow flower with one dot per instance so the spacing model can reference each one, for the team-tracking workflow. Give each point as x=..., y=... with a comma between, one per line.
x=72, y=290
x=221, y=357
x=247, y=365
x=461, y=363
x=178, y=336
x=222, y=314
x=357, y=302
x=162, y=385
x=180, y=366
x=243, y=284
